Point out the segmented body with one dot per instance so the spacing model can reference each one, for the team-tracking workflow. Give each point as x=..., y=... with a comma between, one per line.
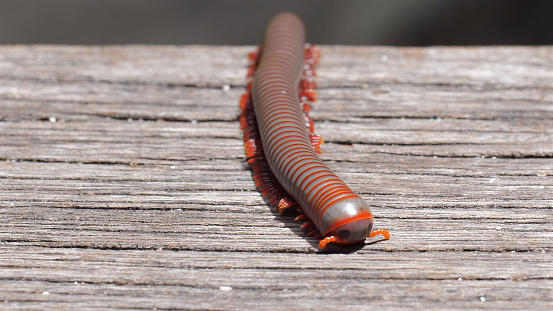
x=288, y=144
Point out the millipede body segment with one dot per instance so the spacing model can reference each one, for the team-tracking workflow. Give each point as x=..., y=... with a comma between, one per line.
x=281, y=147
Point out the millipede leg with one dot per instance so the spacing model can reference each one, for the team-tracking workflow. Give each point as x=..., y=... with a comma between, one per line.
x=326, y=240
x=381, y=231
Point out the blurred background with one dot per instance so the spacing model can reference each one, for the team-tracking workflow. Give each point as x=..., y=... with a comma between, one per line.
x=232, y=22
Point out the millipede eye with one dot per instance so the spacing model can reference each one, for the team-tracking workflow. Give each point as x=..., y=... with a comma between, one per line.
x=344, y=234
x=370, y=227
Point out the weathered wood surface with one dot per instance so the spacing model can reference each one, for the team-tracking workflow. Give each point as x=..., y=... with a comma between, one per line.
x=123, y=182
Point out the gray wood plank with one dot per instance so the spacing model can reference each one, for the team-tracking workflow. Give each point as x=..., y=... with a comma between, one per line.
x=123, y=183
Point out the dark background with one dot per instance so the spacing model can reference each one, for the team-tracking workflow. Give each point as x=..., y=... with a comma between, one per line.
x=378, y=22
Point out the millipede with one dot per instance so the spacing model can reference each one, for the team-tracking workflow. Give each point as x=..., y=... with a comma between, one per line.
x=281, y=147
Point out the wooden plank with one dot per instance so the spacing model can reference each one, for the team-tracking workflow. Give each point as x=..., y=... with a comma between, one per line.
x=181, y=280
x=123, y=181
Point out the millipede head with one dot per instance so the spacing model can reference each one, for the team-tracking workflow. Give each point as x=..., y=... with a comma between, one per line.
x=354, y=231
x=344, y=234
x=347, y=221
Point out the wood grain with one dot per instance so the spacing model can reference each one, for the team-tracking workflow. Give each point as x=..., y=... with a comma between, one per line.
x=124, y=186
